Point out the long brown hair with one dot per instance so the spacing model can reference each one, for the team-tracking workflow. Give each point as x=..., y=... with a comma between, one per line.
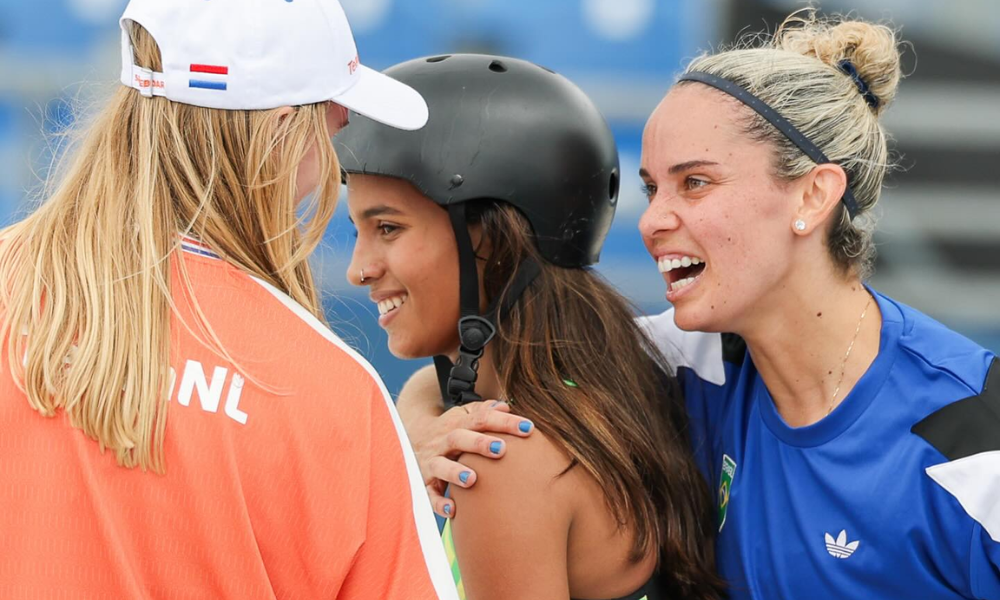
x=86, y=293
x=571, y=358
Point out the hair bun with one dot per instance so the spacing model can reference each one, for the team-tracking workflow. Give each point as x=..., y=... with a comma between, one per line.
x=873, y=49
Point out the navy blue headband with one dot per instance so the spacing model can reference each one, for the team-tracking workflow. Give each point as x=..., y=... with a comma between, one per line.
x=781, y=123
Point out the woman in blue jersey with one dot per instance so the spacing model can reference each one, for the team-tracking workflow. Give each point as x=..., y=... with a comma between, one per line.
x=854, y=442
x=603, y=500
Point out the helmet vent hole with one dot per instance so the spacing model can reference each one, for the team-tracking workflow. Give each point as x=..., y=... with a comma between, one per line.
x=498, y=67
x=437, y=59
x=613, y=187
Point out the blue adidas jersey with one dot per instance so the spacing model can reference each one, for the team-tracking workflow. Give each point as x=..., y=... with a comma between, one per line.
x=896, y=494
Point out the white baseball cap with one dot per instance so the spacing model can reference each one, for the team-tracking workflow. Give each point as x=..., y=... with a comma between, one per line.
x=262, y=54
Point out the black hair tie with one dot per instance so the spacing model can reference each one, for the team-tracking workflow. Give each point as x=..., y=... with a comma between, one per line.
x=848, y=67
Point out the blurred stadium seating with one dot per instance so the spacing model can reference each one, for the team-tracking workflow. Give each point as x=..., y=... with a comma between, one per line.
x=940, y=235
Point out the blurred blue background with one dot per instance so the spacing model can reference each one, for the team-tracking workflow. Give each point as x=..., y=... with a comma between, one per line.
x=940, y=232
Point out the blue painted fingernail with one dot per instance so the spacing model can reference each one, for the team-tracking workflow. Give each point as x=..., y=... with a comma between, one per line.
x=495, y=447
x=525, y=426
x=464, y=476
x=447, y=509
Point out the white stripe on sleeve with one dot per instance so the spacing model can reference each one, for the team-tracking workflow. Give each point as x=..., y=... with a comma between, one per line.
x=699, y=351
x=975, y=482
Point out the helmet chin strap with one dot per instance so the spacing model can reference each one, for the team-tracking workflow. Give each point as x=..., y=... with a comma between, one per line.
x=475, y=330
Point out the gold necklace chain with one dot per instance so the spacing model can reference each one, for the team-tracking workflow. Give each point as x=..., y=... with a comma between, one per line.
x=843, y=364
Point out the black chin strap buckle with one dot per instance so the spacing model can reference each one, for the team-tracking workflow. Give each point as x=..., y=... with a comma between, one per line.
x=474, y=333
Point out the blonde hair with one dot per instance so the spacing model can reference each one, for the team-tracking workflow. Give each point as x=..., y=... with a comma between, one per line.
x=86, y=294
x=798, y=75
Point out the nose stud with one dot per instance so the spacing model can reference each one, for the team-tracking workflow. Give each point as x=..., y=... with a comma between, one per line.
x=362, y=275
x=800, y=225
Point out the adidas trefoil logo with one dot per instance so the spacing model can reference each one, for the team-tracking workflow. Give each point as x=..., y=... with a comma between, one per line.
x=839, y=548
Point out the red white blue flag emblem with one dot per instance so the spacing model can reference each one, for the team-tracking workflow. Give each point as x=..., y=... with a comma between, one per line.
x=215, y=83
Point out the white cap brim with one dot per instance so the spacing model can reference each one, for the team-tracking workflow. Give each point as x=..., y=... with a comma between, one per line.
x=383, y=99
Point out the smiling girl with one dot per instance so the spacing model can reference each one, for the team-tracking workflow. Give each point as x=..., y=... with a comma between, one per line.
x=480, y=227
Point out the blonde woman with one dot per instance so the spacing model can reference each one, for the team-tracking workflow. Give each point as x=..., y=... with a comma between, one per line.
x=854, y=442
x=177, y=421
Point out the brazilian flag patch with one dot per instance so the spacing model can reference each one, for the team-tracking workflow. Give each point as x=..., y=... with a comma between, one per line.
x=725, y=487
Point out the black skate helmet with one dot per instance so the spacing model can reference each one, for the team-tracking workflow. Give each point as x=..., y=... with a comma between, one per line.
x=504, y=130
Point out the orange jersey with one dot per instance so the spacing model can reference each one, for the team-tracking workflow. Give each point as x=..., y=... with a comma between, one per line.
x=309, y=490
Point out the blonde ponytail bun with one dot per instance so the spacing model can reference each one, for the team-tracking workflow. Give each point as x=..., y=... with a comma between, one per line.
x=800, y=72
x=872, y=48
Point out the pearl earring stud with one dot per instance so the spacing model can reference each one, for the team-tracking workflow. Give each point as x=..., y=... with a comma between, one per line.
x=800, y=225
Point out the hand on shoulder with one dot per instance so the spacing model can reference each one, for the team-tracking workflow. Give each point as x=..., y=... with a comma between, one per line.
x=517, y=516
x=439, y=437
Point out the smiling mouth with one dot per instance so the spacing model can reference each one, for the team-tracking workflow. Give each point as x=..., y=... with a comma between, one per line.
x=681, y=272
x=391, y=304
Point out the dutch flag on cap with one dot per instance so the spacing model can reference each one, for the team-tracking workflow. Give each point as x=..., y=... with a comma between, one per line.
x=217, y=83
x=212, y=56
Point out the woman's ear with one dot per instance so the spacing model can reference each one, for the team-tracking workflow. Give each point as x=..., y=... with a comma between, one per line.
x=283, y=112
x=822, y=190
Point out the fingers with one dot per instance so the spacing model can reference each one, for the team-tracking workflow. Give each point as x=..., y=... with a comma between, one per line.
x=461, y=441
x=489, y=417
x=443, y=507
x=495, y=405
x=449, y=471
x=461, y=430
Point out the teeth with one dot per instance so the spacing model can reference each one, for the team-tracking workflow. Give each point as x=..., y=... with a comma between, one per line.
x=667, y=265
x=389, y=304
x=681, y=284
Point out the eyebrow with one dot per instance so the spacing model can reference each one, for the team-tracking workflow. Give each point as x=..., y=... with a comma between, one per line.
x=681, y=167
x=378, y=211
